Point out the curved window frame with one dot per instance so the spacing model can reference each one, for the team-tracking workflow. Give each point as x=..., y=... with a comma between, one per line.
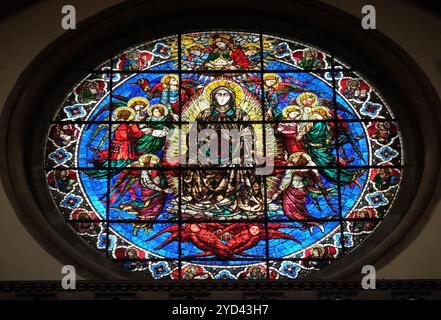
x=387, y=67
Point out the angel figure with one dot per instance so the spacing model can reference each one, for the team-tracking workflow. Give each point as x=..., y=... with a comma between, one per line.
x=125, y=136
x=167, y=90
x=314, y=108
x=296, y=185
x=291, y=131
x=194, y=55
x=274, y=90
x=135, y=110
x=152, y=184
x=140, y=105
x=319, y=137
x=155, y=131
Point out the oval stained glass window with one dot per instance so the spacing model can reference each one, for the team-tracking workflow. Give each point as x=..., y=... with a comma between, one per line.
x=223, y=155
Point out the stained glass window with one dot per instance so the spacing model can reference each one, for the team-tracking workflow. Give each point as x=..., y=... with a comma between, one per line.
x=223, y=155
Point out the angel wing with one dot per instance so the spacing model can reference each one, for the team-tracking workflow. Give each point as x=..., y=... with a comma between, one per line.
x=344, y=130
x=315, y=185
x=103, y=126
x=234, y=228
x=291, y=84
x=189, y=88
x=329, y=103
x=252, y=83
x=122, y=185
x=155, y=91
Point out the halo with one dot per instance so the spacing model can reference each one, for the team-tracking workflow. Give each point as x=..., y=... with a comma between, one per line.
x=158, y=105
x=366, y=213
x=303, y=95
x=320, y=108
x=165, y=79
x=130, y=110
x=288, y=109
x=269, y=76
x=192, y=45
x=222, y=36
x=237, y=89
x=147, y=158
x=307, y=156
x=310, y=49
x=318, y=247
x=251, y=45
x=138, y=100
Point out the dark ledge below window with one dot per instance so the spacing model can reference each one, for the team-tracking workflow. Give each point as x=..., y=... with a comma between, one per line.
x=303, y=290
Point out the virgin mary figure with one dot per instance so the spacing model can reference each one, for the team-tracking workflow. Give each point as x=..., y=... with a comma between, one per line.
x=230, y=189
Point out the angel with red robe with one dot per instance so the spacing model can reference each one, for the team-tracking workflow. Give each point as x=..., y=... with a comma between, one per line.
x=124, y=142
x=291, y=131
